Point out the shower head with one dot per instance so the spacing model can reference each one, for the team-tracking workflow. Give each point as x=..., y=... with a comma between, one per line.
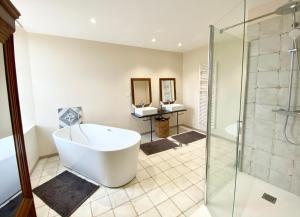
x=288, y=8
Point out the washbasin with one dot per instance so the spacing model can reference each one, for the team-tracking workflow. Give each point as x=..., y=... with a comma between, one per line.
x=143, y=111
x=173, y=107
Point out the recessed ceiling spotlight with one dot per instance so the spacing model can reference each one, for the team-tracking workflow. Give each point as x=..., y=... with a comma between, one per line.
x=153, y=40
x=93, y=20
x=179, y=44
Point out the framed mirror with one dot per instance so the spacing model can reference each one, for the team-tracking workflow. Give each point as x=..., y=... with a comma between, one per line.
x=16, y=198
x=167, y=90
x=141, y=91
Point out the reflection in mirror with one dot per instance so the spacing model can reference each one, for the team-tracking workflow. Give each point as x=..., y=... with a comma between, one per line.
x=10, y=196
x=167, y=89
x=141, y=91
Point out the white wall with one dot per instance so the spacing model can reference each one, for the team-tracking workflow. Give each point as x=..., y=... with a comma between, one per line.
x=191, y=84
x=26, y=96
x=71, y=72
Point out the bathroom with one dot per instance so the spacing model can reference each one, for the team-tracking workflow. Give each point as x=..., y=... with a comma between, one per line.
x=99, y=84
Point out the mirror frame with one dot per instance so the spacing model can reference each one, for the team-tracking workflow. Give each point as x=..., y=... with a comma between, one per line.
x=132, y=89
x=160, y=88
x=8, y=16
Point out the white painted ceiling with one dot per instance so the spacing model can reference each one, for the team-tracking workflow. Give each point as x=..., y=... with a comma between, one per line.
x=132, y=22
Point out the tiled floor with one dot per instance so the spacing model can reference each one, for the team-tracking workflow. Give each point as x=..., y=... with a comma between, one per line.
x=167, y=184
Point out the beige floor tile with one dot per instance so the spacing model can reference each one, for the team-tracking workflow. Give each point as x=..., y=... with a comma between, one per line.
x=193, y=177
x=163, y=166
x=172, y=173
x=141, y=175
x=170, y=189
x=107, y=214
x=52, y=213
x=45, y=179
x=151, y=213
x=182, y=182
x=37, y=201
x=157, y=196
x=49, y=172
x=37, y=173
x=182, y=201
x=173, y=162
x=134, y=191
x=153, y=170
x=98, y=194
x=125, y=210
x=42, y=211
x=182, y=169
x=148, y=184
x=168, y=209
x=53, y=164
x=83, y=211
x=100, y=206
x=142, y=204
x=53, y=159
x=161, y=179
x=192, y=165
x=118, y=198
x=111, y=190
x=192, y=210
x=194, y=193
x=146, y=163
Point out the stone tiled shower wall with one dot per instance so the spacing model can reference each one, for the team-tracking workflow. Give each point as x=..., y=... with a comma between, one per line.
x=267, y=155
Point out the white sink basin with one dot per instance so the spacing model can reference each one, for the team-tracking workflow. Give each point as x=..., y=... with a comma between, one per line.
x=173, y=107
x=145, y=111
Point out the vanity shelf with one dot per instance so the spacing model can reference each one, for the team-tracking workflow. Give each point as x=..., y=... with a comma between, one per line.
x=160, y=113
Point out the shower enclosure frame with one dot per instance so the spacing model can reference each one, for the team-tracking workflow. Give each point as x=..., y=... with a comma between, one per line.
x=240, y=144
x=209, y=92
x=209, y=107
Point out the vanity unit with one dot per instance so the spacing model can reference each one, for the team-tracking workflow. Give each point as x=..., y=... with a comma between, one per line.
x=142, y=99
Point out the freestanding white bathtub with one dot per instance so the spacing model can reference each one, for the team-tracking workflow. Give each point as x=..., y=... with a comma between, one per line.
x=106, y=155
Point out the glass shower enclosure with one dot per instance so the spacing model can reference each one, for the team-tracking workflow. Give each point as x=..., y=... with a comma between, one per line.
x=253, y=139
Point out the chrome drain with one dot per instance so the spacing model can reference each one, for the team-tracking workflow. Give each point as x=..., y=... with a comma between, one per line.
x=269, y=198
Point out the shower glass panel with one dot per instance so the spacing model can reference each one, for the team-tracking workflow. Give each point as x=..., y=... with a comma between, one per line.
x=270, y=162
x=223, y=135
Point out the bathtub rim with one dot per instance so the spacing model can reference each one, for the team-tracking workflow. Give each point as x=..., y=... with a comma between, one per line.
x=137, y=142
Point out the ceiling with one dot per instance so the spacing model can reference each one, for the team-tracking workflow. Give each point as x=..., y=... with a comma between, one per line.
x=132, y=22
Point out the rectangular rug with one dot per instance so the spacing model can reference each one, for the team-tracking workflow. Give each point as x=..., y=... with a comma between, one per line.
x=188, y=137
x=157, y=146
x=65, y=192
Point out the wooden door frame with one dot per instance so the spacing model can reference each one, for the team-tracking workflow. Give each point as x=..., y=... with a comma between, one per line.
x=8, y=15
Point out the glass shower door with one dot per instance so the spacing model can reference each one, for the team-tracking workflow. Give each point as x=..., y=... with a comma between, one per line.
x=225, y=94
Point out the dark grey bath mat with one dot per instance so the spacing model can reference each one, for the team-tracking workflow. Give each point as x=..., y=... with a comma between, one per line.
x=65, y=193
x=10, y=209
x=188, y=137
x=157, y=146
